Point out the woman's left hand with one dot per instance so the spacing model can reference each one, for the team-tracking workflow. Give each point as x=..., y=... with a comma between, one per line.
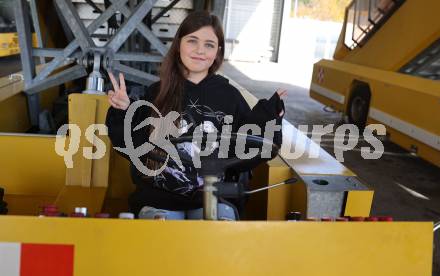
x=282, y=93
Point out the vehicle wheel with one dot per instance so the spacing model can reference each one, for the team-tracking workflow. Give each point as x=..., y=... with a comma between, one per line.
x=358, y=107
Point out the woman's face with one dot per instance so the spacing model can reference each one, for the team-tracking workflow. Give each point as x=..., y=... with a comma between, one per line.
x=198, y=50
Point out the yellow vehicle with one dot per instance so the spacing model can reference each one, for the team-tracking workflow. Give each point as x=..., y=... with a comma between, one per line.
x=9, y=43
x=386, y=70
x=33, y=173
x=8, y=32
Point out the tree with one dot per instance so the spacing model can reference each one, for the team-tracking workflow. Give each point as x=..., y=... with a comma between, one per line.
x=326, y=10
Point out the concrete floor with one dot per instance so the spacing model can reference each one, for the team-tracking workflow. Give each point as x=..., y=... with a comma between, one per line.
x=384, y=175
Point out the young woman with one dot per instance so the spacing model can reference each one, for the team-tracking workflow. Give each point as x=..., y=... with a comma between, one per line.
x=188, y=84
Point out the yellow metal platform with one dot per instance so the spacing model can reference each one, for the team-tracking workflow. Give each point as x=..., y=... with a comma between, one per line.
x=136, y=247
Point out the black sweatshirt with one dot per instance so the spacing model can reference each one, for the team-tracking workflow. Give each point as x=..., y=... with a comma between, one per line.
x=206, y=103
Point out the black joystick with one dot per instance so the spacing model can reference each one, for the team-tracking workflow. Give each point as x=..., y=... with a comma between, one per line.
x=3, y=204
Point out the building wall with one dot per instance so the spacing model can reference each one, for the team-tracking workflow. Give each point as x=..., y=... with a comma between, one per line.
x=252, y=29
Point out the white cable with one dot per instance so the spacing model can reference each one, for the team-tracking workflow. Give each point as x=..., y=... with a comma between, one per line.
x=436, y=226
x=16, y=77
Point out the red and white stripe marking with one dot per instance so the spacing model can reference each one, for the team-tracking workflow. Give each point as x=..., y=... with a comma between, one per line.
x=29, y=259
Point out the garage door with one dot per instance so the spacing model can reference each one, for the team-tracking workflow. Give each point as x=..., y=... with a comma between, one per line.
x=252, y=29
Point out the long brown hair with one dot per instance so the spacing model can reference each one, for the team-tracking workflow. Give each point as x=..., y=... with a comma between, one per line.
x=172, y=70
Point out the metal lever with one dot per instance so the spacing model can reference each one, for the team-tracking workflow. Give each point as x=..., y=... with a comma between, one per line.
x=236, y=189
x=288, y=181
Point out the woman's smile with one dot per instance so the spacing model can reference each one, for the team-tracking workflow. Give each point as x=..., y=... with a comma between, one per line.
x=198, y=59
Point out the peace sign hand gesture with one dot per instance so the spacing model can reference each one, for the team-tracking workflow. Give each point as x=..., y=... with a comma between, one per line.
x=118, y=98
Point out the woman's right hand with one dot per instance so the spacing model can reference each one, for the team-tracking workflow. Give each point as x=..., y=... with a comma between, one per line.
x=118, y=98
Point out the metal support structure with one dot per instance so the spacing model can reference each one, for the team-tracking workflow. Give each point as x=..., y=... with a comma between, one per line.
x=135, y=75
x=146, y=32
x=75, y=24
x=83, y=51
x=130, y=25
x=25, y=39
x=67, y=75
x=95, y=82
x=36, y=22
x=67, y=32
x=137, y=57
x=132, y=40
x=28, y=66
x=57, y=62
x=47, y=52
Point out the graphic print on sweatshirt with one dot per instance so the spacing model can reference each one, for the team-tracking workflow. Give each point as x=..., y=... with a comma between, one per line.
x=185, y=180
x=204, y=111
